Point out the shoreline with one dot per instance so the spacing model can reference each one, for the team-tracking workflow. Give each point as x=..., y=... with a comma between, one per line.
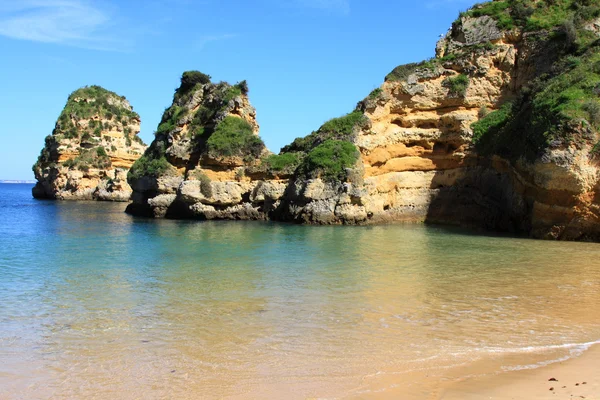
x=576, y=378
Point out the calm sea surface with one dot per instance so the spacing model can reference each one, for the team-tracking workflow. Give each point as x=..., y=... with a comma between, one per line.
x=96, y=304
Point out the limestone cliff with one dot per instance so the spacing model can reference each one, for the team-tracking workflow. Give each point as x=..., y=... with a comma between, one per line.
x=498, y=131
x=93, y=145
x=196, y=164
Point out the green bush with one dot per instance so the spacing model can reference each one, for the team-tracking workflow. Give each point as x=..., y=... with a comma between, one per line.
x=498, y=10
x=189, y=79
x=285, y=163
x=243, y=86
x=592, y=107
x=101, y=152
x=342, y=128
x=231, y=93
x=402, y=72
x=205, y=182
x=534, y=16
x=233, y=137
x=150, y=167
x=596, y=149
x=330, y=160
x=457, y=85
x=71, y=133
x=375, y=93
x=491, y=122
x=165, y=127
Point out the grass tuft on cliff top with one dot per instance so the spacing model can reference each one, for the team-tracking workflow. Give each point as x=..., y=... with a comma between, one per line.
x=90, y=101
x=534, y=15
x=342, y=128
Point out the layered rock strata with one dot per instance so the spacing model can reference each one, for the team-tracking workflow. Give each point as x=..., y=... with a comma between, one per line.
x=498, y=131
x=93, y=145
x=196, y=165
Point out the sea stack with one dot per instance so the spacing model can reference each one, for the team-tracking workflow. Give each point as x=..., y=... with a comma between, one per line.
x=195, y=167
x=90, y=150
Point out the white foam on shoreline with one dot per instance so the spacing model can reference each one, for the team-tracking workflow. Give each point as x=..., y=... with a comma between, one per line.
x=530, y=349
x=575, y=350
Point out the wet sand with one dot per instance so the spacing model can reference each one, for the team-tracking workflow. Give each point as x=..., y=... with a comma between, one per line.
x=577, y=378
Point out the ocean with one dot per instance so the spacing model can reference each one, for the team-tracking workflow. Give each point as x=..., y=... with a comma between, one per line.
x=97, y=304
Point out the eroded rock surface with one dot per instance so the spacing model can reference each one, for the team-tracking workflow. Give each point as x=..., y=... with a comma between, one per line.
x=91, y=149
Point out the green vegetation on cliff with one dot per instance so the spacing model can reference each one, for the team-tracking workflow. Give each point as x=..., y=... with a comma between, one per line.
x=233, y=137
x=88, y=113
x=89, y=102
x=402, y=72
x=45, y=154
x=562, y=103
x=152, y=163
x=285, y=162
x=90, y=158
x=326, y=153
x=342, y=128
x=209, y=115
x=535, y=15
x=329, y=160
x=457, y=85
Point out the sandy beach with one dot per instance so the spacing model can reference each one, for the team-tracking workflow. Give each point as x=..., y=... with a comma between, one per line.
x=577, y=378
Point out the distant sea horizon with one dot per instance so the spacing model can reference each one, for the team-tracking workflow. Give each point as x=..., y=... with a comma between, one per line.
x=18, y=181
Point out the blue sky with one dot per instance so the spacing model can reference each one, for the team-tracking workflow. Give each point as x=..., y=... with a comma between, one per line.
x=305, y=61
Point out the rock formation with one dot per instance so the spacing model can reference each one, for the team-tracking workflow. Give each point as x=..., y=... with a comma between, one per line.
x=93, y=145
x=196, y=164
x=498, y=131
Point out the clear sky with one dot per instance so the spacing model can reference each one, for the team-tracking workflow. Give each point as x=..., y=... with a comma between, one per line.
x=305, y=61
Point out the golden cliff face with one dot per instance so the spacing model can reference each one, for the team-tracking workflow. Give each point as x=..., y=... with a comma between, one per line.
x=420, y=137
x=91, y=149
x=421, y=164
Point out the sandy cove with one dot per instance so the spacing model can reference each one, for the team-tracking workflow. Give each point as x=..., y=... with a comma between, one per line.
x=577, y=378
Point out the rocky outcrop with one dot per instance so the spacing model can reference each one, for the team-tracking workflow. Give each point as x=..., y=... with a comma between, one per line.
x=499, y=131
x=196, y=165
x=427, y=158
x=93, y=145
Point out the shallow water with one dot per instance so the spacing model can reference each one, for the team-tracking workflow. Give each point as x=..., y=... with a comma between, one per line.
x=95, y=304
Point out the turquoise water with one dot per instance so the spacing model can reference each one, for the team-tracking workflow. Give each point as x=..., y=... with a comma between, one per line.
x=97, y=304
